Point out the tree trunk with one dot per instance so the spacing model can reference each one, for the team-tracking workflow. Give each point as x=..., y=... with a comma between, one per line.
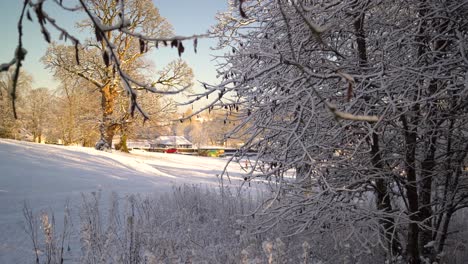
x=412, y=246
x=444, y=231
x=429, y=163
x=425, y=199
x=383, y=197
x=383, y=200
x=303, y=177
x=123, y=143
x=107, y=126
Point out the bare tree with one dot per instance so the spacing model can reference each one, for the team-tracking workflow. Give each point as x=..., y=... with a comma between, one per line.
x=38, y=112
x=363, y=101
x=9, y=126
x=124, y=30
x=142, y=17
x=76, y=112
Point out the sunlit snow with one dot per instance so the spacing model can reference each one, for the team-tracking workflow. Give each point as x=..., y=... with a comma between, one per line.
x=45, y=176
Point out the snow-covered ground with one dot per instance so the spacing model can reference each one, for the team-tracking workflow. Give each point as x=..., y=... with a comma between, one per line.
x=45, y=176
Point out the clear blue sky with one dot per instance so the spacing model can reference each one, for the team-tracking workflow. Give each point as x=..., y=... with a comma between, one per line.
x=187, y=17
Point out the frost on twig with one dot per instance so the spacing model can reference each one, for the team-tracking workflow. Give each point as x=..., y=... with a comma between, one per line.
x=347, y=116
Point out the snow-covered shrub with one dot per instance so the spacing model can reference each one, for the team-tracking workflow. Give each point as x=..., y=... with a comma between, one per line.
x=196, y=224
x=50, y=241
x=189, y=224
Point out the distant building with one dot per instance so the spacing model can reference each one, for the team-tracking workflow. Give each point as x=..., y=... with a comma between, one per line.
x=171, y=142
x=138, y=144
x=133, y=143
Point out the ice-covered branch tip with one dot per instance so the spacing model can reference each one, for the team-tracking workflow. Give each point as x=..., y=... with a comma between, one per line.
x=6, y=66
x=315, y=29
x=72, y=9
x=168, y=39
x=347, y=116
x=104, y=28
x=343, y=115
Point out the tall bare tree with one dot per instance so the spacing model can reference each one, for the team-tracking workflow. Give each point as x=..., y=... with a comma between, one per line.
x=141, y=17
x=76, y=112
x=9, y=126
x=38, y=112
x=365, y=102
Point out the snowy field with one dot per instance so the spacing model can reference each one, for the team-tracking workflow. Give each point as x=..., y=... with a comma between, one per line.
x=45, y=176
x=181, y=213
